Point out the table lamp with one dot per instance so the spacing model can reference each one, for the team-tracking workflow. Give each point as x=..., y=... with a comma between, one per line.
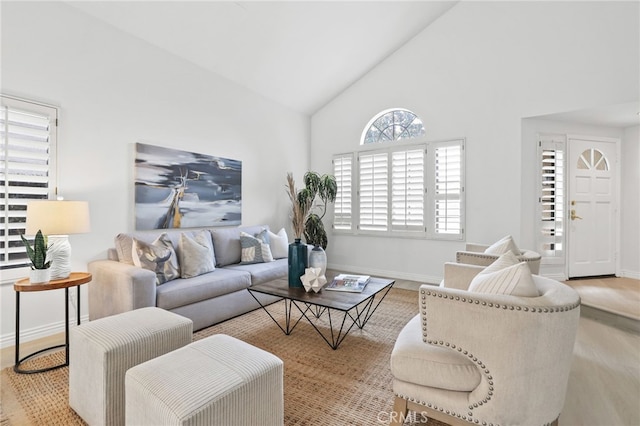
x=56, y=220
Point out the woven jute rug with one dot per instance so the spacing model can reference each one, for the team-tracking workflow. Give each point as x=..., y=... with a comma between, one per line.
x=348, y=386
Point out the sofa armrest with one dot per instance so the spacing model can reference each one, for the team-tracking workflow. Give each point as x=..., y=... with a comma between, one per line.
x=117, y=287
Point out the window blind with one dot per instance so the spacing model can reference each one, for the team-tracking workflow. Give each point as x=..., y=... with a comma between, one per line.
x=373, y=193
x=551, y=195
x=27, y=145
x=342, y=170
x=407, y=189
x=447, y=169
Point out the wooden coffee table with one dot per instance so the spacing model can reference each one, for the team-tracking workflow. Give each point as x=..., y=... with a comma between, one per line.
x=358, y=307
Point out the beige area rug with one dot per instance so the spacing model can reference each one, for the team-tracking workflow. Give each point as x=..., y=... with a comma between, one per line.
x=348, y=386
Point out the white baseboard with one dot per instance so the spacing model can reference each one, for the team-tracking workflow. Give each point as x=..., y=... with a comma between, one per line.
x=630, y=274
x=557, y=277
x=27, y=335
x=427, y=279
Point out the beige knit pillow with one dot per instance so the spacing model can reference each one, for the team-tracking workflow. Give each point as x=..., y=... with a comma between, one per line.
x=515, y=280
x=196, y=254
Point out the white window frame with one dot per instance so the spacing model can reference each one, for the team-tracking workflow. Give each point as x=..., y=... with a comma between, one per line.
x=9, y=103
x=427, y=230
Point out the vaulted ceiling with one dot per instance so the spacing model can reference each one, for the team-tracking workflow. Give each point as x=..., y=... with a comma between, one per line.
x=300, y=54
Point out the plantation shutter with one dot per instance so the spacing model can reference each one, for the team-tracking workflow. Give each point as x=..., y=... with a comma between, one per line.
x=342, y=170
x=27, y=148
x=407, y=189
x=448, y=188
x=373, y=191
x=551, y=196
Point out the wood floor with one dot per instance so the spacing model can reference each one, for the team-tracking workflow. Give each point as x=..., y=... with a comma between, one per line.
x=604, y=383
x=620, y=296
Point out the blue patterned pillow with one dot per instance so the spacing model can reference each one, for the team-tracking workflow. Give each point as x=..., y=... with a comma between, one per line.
x=255, y=249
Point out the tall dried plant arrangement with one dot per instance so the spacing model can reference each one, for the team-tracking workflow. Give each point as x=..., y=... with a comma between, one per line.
x=300, y=206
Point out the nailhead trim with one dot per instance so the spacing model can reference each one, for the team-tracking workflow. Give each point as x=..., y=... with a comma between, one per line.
x=564, y=308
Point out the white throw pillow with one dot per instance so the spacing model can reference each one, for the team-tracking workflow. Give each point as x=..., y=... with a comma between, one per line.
x=502, y=246
x=196, y=254
x=504, y=261
x=514, y=280
x=279, y=244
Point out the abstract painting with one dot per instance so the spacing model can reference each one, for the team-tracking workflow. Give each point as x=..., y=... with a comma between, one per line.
x=180, y=189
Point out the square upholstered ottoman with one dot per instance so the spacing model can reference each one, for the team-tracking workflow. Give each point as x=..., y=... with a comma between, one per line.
x=219, y=380
x=101, y=352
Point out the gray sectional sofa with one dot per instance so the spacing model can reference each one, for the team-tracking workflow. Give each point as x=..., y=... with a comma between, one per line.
x=119, y=286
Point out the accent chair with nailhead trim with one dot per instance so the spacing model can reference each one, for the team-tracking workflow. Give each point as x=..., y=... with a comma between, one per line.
x=486, y=359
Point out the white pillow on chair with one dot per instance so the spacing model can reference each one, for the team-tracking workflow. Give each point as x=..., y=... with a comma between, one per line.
x=502, y=246
x=514, y=280
x=504, y=261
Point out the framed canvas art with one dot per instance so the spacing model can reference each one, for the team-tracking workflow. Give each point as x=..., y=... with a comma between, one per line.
x=180, y=189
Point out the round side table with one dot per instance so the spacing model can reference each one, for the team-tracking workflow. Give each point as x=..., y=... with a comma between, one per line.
x=75, y=279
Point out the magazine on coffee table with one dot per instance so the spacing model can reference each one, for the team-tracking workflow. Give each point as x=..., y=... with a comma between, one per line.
x=349, y=282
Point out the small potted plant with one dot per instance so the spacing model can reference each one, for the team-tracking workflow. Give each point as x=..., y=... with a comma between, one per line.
x=40, y=272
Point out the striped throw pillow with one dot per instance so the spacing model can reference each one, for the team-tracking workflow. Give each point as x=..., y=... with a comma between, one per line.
x=514, y=280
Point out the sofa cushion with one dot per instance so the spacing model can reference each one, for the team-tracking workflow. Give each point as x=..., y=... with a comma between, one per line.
x=263, y=272
x=415, y=361
x=158, y=256
x=196, y=254
x=226, y=243
x=181, y=292
x=279, y=244
x=515, y=280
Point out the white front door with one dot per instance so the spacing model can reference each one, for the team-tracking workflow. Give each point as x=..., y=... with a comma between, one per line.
x=592, y=208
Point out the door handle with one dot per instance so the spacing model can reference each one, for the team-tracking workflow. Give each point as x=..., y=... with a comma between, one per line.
x=574, y=216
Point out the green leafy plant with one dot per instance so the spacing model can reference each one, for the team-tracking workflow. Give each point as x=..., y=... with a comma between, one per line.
x=325, y=188
x=38, y=253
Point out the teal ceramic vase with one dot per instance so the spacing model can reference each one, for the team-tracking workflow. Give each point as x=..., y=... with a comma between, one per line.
x=297, y=263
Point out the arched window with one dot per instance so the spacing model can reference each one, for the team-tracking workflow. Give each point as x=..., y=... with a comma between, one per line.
x=593, y=159
x=392, y=125
x=410, y=188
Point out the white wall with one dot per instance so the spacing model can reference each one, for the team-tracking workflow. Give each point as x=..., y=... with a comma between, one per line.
x=475, y=73
x=114, y=90
x=630, y=211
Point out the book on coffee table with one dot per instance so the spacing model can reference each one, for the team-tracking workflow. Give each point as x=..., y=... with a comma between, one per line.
x=351, y=283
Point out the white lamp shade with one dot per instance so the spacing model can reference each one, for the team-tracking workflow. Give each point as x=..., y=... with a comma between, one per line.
x=57, y=217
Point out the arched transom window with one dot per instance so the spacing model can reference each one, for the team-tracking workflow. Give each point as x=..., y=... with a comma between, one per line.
x=593, y=159
x=392, y=125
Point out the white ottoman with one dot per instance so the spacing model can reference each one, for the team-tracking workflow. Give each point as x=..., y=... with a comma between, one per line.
x=101, y=352
x=219, y=380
